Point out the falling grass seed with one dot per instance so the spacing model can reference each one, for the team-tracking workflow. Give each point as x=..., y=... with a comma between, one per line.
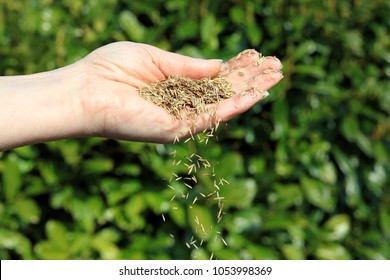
x=186, y=99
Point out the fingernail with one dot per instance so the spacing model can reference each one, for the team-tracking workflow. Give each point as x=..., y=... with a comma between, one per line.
x=265, y=94
x=219, y=60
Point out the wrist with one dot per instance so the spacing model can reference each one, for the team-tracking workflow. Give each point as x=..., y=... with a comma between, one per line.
x=41, y=107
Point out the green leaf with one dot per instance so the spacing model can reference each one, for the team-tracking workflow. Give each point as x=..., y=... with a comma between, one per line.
x=246, y=221
x=230, y=165
x=304, y=49
x=292, y=252
x=156, y=202
x=311, y=70
x=245, y=189
x=337, y=228
x=178, y=215
x=128, y=169
x=26, y=152
x=201, y=222
x=48, y=172
x=318, y=194
x=351, y=130
x=237, y=15
x=28, y=210
x=384, y=219
x=209, y=31
x=258, y=252
x=57, y=235
x=332, y=252
x=130, y=24
x=286, y=196
x=352, y=190
x=280, y=118
x=87, y=211
x=116, y=191
x=254, y=33
x=12, y=178
x=97, y=166
x=106, y=249
x=132, y=209
x=48, y=251
x=13, y=240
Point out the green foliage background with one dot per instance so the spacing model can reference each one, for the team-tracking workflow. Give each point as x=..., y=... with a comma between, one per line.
x=309, y=166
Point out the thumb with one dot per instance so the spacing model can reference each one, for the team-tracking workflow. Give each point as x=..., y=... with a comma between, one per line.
x=172, y=65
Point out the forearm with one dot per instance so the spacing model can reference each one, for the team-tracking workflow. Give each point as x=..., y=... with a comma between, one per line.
x=40, y=107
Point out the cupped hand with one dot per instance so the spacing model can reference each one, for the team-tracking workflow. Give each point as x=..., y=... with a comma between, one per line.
x=113, y=107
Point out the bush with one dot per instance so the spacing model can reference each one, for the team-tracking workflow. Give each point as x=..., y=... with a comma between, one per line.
x=309, y=166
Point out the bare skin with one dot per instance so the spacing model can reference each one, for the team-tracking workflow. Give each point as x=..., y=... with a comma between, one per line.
x=98, y=96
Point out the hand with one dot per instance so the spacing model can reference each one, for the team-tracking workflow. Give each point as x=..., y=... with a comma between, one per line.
x=98, y=95
x=114, y=109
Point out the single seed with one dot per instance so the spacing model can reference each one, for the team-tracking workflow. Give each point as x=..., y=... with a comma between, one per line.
x=219, y=213
x=227, y=182
x=224, y=242
x=189, y=158
x=210, y=194
x=202, y=227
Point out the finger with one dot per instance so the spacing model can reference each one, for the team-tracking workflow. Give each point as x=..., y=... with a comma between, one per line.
x=240, y=103
x=172, y=65
x=182, y=66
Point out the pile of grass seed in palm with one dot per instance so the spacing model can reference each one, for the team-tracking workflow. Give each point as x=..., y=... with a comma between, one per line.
x=186, y=98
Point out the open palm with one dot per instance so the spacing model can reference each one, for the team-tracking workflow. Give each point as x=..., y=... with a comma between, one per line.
x=114, y=109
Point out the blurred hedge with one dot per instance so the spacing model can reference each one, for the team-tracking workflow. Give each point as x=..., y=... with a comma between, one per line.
x=309, y=167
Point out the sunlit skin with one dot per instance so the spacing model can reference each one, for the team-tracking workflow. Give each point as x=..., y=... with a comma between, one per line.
x=98, y=96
